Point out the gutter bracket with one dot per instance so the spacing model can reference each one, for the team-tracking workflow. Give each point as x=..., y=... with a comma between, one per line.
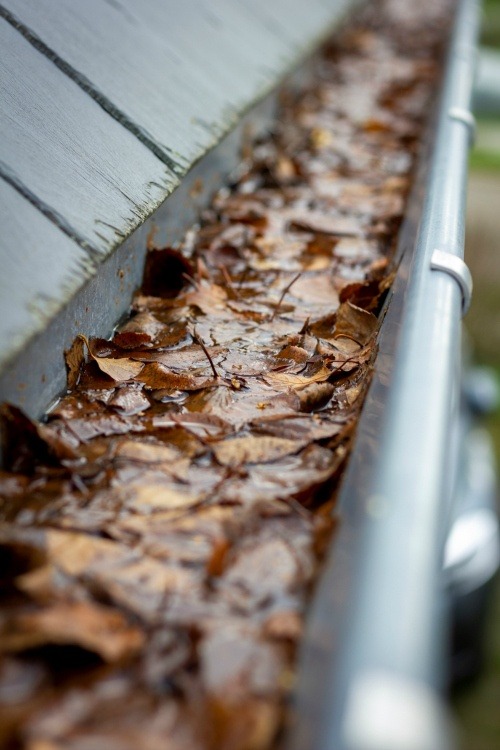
x=458, y=270
x=467, y=118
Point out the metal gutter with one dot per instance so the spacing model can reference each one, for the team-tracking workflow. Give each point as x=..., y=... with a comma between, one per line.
x=376, y=632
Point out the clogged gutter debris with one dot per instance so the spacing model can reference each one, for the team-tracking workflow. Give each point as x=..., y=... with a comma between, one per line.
x=161, y=530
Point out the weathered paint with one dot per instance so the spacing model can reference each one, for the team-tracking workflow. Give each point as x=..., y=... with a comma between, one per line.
x=177, y=73
x=35, y=249
x=60, y=147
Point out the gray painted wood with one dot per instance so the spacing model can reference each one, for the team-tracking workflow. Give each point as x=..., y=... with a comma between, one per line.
x=69, y=154
x=41, y=267
x=178, y=71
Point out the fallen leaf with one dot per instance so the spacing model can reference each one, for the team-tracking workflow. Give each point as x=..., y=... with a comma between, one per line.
x=290, y=380
x=119, y=369
x=234, y=661
x=145, y=452
x=296, y=353
x=253, y=449
x=154, y=498
x=155, y=376
x=355, y=323
x=319, y=222
x=314, y=396
x=202, y=425
x=96, y=628
x=129, y=401
x=74, y=358
x=142, y=328
x=300, y=427
x=21, y=441
x=210, y=299
x=90, y=427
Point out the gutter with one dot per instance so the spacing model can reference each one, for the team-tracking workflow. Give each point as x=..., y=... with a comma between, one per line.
x=377, y=625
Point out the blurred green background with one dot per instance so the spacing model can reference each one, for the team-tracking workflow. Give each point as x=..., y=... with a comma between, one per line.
x=478, y=704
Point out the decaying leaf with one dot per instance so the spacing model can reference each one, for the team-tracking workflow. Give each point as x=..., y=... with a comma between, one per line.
x=290, y=380
x=128, y=401
x=152, y=498
x=337, y=225
x=253, y=449
x=98, y=629
x=314, y=396
x=155, y=376
x=74, y=357
x=146, y=452
x=355, y=323
x=118, y=369
x=142, y=329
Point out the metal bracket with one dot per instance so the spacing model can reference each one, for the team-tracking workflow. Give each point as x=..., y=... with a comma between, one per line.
x=458, y=270
x=467, y=118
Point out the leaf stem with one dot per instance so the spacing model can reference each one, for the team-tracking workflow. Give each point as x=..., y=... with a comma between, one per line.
x=283, y=293
x=206, y=352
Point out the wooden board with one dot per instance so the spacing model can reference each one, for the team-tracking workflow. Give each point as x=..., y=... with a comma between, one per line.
x=178, y=73
x=69, y=154
x=41, y=268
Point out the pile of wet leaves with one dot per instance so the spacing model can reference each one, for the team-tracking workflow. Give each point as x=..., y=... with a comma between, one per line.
x=161, y=529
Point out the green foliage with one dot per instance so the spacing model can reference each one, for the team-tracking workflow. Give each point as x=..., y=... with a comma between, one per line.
x=490, y=35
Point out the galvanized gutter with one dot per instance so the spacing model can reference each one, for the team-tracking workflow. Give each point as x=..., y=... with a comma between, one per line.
x=376, y=633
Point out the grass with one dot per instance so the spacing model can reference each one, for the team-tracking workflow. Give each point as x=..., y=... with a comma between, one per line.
x=490, y=35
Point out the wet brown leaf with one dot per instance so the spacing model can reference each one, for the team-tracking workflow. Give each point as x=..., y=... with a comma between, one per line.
x=253, y=449
x=99, y=629
x=129, y=401
x=319, y=222
x=74, y=358
x=300, y=427
x=118, y=369
x=355, y=323
x=314, y=396
x=155, y=376
x=155, y=498
x=290, y=380
x=22, y=444
x=234, y=661
x=142, y=329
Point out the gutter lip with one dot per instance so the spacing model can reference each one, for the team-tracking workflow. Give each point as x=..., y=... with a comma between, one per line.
x=380, y=607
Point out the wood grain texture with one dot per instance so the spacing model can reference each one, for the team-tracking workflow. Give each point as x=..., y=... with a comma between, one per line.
x=178, y=73
x=58, y=143
x=41, y=269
